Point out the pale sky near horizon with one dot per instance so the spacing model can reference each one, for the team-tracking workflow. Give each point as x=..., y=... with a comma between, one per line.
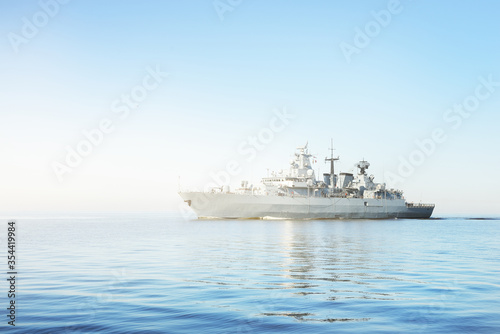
x=376, y=76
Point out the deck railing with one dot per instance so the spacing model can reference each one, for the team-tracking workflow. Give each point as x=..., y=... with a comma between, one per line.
x=419, y=205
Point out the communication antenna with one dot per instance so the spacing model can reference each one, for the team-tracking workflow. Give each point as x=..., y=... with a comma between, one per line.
x=332, y=160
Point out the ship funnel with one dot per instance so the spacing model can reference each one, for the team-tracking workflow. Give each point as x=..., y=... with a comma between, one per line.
x=345, y=179
x=326, y=178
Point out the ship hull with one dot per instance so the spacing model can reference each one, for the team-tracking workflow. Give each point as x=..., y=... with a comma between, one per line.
x=238, y=206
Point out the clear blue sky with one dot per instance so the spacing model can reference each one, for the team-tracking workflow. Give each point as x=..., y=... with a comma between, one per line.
x=225, y=78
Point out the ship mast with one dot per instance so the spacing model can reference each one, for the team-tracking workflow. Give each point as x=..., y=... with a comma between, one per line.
x=332, y=167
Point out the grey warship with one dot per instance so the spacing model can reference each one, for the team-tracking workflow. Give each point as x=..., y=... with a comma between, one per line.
x=297, y=194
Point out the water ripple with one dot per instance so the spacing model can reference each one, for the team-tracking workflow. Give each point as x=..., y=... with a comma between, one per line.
x=161, y=274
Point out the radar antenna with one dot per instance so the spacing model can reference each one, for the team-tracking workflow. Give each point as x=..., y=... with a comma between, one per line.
x=363, y=165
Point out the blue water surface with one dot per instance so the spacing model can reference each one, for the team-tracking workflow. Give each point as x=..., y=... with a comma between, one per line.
x=162, y=273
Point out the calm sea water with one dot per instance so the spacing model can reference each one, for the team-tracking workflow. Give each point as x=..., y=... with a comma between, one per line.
x=163, y=274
